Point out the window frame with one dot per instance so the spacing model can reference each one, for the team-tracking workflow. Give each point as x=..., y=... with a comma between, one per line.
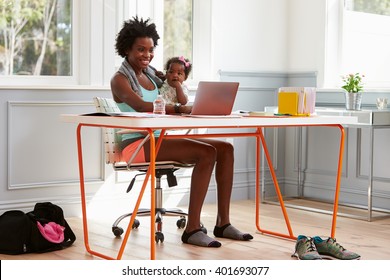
x=334, y=32
x=44, y=80
x=94, y=29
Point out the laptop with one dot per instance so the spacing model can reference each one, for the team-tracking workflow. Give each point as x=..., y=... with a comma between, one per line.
x=214, y=98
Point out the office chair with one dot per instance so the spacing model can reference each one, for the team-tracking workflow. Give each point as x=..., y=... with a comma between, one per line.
x=112, y=156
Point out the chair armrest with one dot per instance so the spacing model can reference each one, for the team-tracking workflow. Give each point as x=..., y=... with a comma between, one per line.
x=127, y=131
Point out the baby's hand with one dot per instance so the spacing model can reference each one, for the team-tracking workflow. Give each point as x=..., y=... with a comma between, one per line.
x=175, y=83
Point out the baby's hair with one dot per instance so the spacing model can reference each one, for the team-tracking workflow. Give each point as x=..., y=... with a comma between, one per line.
x=180, y=60
x=133, y=29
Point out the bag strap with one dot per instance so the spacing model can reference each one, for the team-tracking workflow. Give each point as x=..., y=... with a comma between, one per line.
x=68, y=232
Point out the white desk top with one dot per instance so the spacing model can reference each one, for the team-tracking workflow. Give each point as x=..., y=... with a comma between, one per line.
x=175, y=122
x=365, y=117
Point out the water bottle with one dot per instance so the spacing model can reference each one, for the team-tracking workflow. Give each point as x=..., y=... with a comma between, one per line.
x=159, y=105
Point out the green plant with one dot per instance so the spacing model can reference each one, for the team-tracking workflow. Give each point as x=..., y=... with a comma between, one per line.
x=353, y=82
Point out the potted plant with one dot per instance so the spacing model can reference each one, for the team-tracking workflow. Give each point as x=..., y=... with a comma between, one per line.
x=353, y=86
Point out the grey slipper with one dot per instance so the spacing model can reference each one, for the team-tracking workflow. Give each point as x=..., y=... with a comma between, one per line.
x=199, y=238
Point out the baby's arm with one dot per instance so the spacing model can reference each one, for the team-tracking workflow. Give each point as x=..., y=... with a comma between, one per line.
x=182, y=94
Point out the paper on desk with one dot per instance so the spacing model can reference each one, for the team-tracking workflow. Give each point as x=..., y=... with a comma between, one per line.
x=212, y=116
x=128, y=114
x=252, y=113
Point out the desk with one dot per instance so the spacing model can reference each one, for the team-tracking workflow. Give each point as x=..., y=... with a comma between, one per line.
x=166, y=123
x=367, y=119
x=370, y=119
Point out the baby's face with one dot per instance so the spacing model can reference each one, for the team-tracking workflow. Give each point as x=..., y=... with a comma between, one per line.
x=175, y=73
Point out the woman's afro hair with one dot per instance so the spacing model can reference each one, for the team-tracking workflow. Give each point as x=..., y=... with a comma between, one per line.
x=132, y=29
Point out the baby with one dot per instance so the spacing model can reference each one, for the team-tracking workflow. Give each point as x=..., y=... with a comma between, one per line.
x=173, y=90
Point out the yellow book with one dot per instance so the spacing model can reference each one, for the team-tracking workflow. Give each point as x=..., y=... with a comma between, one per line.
x=288, y=103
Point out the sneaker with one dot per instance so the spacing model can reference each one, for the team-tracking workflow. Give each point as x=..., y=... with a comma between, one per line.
x=305, y=249
x=330, y=249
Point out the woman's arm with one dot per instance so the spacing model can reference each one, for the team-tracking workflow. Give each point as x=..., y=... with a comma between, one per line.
x=122, y=92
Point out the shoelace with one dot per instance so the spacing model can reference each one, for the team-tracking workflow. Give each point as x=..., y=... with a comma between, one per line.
x=333, y=240
x=310, y=247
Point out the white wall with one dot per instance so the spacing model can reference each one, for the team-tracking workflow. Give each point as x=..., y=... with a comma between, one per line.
x=261, y=35
x=249, y=35
x=306, y=35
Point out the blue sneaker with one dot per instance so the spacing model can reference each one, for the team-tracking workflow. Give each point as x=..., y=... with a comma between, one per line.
x=330, y=249
x=305, y=249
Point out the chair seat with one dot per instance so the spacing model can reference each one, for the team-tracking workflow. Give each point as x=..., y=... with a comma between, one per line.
x=145, y=165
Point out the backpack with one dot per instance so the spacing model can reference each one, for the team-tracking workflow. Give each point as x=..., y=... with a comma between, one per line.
x=22, y=232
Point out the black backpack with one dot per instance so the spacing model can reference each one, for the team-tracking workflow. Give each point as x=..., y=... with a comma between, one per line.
x=19, y=232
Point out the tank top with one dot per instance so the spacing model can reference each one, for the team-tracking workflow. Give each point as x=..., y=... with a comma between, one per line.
x=148, y=96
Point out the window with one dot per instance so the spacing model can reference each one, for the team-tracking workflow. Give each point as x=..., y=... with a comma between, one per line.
x=184, y=29
x=174, y=21
x=71, y=42
x=378, y=7
x=177, y=29
x=366, y=40
x=358, y=41
x=35, y=38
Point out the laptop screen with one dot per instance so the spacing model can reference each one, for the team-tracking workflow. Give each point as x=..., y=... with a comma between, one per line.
x=214, y=98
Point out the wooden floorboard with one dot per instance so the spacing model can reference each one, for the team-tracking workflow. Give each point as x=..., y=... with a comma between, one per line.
x=370, y=239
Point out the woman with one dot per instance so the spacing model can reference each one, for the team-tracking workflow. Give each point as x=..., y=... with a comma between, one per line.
x=134, y=87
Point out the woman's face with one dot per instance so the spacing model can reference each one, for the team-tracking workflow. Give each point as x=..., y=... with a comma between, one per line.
x=175, y=73
x=141, y=53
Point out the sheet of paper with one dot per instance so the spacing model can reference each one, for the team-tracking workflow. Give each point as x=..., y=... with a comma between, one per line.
x=213, y=116
x=129, y=114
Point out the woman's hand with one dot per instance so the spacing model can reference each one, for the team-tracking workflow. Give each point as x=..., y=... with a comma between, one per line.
x=161, y=75
x=182, y=109
x=185, y=109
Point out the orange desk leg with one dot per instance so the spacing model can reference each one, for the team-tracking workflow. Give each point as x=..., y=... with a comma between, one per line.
x=338, y=181
x=150, y=172
x=260, y=138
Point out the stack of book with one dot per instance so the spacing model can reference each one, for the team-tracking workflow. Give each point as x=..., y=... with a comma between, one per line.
x=296, y=101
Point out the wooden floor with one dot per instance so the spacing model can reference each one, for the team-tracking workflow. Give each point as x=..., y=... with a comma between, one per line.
x=370, y=239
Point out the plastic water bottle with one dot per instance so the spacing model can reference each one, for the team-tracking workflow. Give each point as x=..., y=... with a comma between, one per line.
x=159, y=105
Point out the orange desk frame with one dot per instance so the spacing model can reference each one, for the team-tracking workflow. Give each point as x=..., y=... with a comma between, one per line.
x=260, y=141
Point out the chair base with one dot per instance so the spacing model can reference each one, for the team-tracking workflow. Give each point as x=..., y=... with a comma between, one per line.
x=159, y=213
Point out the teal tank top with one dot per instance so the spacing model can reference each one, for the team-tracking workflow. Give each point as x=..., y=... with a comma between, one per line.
x=148, y=96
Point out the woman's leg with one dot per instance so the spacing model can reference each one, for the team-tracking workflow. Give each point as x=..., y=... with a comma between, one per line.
x=224, y=169
x=224, y=178
x=203, y=156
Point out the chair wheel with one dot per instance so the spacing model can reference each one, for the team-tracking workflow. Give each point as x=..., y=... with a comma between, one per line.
x=136, y=224
x=117, y=231
x=181, y=223
x=159, y=237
